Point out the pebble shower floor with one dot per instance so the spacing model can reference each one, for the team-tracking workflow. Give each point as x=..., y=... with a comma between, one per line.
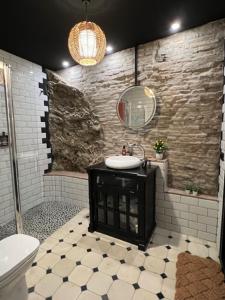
x=42, y=220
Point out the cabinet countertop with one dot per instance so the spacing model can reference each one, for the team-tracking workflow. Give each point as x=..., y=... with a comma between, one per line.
x=140, y=171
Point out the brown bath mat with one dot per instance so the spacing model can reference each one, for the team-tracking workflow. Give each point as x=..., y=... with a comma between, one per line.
x=198, y=279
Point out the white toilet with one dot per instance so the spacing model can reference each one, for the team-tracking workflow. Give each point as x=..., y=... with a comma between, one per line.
x=17, y=253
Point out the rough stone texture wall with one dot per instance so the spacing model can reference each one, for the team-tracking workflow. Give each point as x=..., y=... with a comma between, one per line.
x=185, y=71
x=75, y=131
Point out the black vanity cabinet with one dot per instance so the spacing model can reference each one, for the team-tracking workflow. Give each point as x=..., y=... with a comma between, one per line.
x=122, y=203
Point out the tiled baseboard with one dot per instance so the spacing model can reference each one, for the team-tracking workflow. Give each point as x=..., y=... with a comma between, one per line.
x=189, y=215
x=66, y=188
x=176, y=211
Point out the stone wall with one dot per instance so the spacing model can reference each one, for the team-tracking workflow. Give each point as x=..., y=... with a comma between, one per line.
x=75, y=132
x=185, y=71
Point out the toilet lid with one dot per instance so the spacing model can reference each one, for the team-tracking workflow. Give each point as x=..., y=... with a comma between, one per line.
x=14, y=250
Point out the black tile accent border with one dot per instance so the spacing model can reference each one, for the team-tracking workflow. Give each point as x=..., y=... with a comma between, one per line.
x=95, y=270
x=221, y=133
x=136, y=286
x=114, y=277
x=160, y=295
x=31, y=290
x=163, y=275
x=43, y=86
x=65, y=279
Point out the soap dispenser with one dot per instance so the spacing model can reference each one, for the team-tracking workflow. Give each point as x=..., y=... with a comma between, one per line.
x=124, y=151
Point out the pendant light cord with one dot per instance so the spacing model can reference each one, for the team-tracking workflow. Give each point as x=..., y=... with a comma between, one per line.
x=86, y=2
x=136, y=65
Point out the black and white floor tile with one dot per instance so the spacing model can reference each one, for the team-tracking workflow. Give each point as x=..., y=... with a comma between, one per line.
x=42, y=220
x=75, y=264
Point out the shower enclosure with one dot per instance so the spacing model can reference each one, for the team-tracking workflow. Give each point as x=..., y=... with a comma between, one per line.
x=23, y=155
x=10, y=195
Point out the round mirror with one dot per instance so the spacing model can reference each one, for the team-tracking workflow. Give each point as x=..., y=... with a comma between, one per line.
x=136, y=107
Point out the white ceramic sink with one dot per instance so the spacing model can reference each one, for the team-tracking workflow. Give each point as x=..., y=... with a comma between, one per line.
x=122, y=162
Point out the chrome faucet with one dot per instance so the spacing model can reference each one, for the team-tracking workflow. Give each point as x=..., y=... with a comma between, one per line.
x=131, y=146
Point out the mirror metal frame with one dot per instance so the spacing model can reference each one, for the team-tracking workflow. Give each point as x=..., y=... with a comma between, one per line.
x=149, y=119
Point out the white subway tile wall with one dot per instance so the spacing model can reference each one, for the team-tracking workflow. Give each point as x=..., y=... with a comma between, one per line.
x=193, y=216
x=68, y=189
x=32, y=154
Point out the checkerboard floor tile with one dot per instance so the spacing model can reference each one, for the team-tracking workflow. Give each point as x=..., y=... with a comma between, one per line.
x=75, y=264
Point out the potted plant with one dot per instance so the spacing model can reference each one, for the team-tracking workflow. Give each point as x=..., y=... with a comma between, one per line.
x=159, y=148
x=188, y=188
x=195, y=190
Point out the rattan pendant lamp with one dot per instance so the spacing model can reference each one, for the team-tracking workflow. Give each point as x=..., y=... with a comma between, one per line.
x=87, y=42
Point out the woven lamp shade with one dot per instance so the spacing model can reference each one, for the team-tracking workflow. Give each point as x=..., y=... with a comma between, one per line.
x=87, y=43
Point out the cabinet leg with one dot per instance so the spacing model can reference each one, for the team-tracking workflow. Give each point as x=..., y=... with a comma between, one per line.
x=142, y=247
x=91, y=228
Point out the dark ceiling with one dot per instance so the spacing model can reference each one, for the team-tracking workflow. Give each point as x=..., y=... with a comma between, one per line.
x=37, y=30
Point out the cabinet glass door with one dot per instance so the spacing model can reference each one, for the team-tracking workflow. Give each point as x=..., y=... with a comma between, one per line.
x=133, y=213
x=106, y=207
x=128, y=212
x=110, y=208
x=122, y=207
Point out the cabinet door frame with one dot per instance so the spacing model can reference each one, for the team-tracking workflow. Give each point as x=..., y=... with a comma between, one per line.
x=139, y=189
x=105, y=190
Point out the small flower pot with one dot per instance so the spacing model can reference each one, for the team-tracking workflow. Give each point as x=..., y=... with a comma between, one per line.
x=159, y=156
x=187, y=192
x=195, y=193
